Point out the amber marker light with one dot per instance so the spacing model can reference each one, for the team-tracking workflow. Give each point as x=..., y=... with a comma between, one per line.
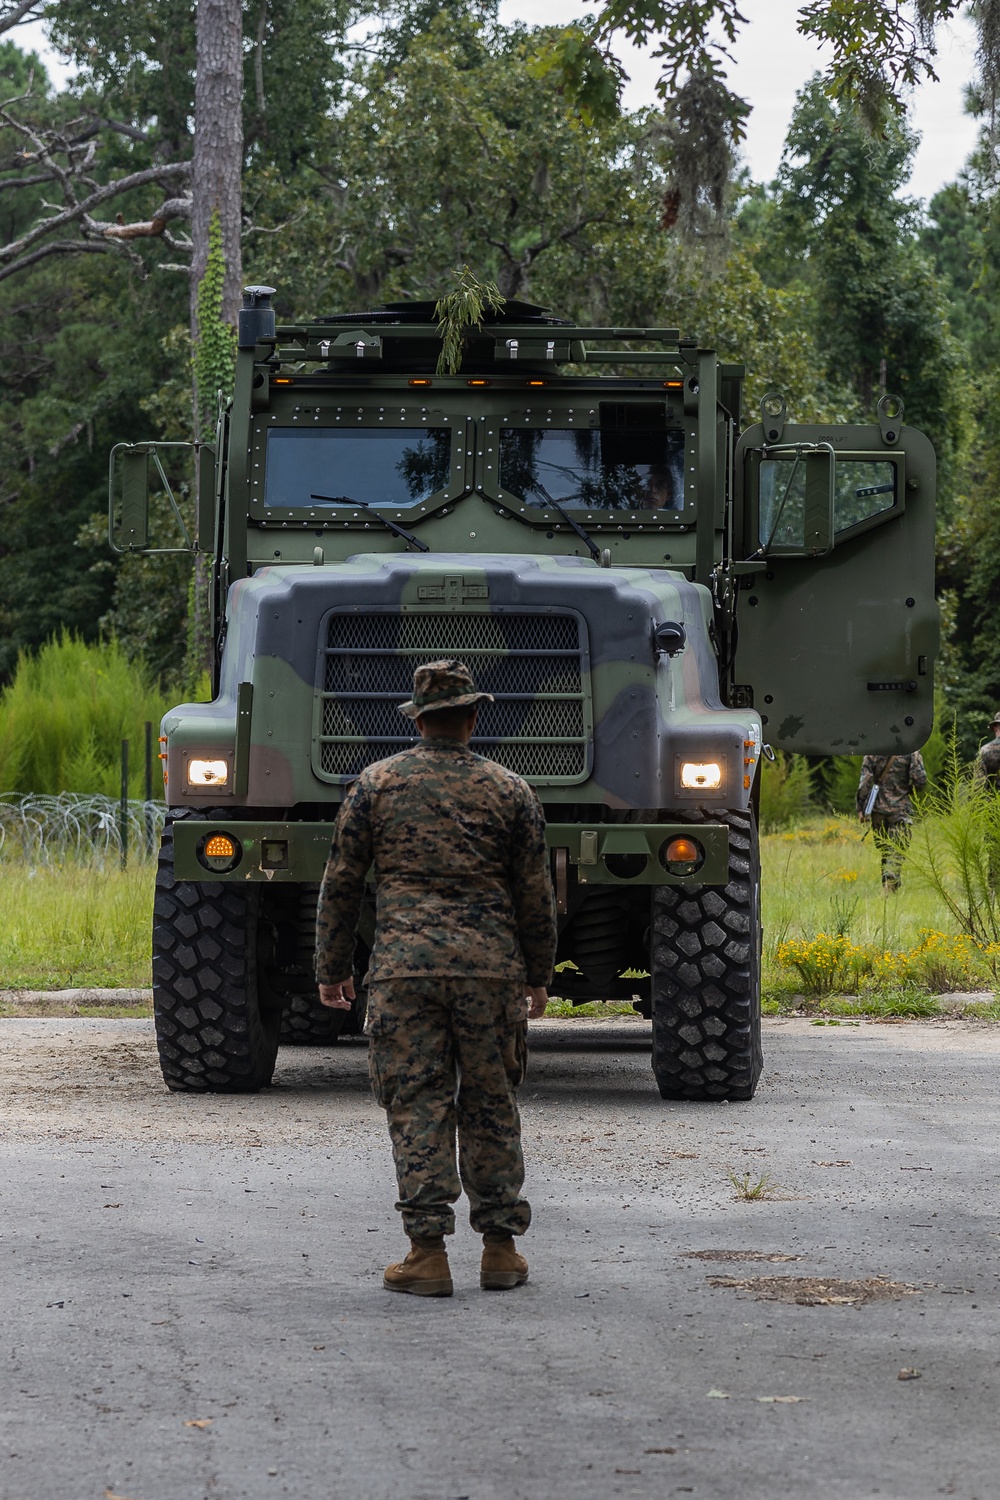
x=682, y=856
x=282, y=380
x=220, y=846
x=477, y=382
x=420, y=382
x=536, y=382
x=673, y=385
x=219, y=852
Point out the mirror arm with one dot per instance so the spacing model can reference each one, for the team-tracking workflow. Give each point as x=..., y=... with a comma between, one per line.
x=148, y=450
x=801, y=451
x=173, y=503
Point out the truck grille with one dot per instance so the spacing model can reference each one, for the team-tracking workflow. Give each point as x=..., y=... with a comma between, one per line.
x=539, y=725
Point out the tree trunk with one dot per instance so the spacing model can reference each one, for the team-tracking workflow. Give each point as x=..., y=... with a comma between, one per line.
x=218, y=144
x=216, y=186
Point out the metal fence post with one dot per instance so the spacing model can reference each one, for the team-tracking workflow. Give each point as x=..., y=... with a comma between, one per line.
x=148, y=809
x=123, y=808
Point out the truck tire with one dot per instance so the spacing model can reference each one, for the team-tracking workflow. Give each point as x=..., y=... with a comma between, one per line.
x=305, y=1022
x=705, y=964
x=216, y=1022
x=290, y=913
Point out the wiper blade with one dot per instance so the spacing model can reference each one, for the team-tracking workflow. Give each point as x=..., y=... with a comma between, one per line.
x=584, y=536
x=389, y=525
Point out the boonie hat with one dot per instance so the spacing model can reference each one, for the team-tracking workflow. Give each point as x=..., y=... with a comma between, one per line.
x=995, y=719
x=442, y=684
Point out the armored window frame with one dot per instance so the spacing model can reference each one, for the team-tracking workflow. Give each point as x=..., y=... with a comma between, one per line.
x=584, y=413
x=323, y=415
x=755, y=456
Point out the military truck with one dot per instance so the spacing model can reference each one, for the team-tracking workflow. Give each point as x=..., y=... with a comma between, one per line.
x=654, y=594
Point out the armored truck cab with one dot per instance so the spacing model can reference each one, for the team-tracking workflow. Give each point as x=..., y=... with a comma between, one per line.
x=653, y=595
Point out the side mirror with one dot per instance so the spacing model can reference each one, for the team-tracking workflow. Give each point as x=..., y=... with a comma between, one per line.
x=128, y=497
x=135, y=500
x=795, y=495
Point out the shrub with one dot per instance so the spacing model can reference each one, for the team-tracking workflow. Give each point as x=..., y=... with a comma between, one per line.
x=830, y=963
x=827, y=964
x=955, y=851
x=843, y=772
x=785, y=791
x=65, y=714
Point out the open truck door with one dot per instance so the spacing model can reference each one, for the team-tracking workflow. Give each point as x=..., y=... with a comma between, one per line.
x=834, y=556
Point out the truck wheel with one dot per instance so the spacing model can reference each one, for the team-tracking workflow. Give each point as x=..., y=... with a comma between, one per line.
x=705, y=964
x=290, y=939
x=306, y=1023
x=216, y=1024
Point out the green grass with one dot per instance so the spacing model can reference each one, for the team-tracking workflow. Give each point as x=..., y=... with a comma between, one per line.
x=75, y=927
x=591, y=1008
x=72, y=927
x=65, y=714
x=821, y=877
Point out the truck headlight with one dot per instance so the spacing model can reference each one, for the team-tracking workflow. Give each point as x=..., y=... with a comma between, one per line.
x=208, y=772
x=701, y=777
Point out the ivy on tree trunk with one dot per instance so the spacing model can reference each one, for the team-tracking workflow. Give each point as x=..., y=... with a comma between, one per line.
x=216, y=261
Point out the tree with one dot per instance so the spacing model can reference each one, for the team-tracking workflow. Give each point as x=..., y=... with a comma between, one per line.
x=840, y=230
x=879, y=49
x=455, y=153
x=217, y=160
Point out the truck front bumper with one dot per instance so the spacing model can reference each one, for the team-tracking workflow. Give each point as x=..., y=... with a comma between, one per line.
x=601, y=853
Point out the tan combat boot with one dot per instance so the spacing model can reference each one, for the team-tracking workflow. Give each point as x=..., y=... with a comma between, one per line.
x=502, y=1267
x=425, y=1271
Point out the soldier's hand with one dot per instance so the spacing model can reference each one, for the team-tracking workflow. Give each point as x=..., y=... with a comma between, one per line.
x=337, y=996
x=538, y=999
x=862, y=818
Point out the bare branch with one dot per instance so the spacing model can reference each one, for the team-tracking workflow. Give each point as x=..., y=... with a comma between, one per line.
x=17, y=182
x=16, y=12
x=67, y=438
x=174, y=208
x=249, y=229
x=82, y=210
x=118, y=127
x=57, y=247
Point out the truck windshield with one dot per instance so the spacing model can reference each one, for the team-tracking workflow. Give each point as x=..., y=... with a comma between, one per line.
x=595, y=468
x=381, y=466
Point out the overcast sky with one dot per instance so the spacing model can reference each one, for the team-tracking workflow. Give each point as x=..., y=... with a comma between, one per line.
x=771, y=62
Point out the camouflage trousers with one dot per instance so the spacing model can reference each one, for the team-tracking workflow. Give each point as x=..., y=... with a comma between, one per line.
x=891, y=836
x=446, y=1057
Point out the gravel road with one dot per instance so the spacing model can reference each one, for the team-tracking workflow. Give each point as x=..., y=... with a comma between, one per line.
x=192, y=1306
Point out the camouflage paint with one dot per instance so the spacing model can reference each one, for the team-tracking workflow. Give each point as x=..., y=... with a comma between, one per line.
x=823, y=653
x=647, y=709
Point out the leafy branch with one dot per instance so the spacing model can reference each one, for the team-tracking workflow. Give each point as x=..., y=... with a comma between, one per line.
x=459, y=311
x=880, y=49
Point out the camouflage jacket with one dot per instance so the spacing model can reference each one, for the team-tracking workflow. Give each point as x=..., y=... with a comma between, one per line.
x=988, y=763
x=897, y=776
x=461, y=871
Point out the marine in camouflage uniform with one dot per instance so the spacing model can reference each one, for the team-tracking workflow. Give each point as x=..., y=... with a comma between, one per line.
x=896, y=777
x=987, y=766
x=465, y=924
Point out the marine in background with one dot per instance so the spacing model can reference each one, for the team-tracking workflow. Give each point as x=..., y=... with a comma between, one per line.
x=987, y=767
x=892, y=779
